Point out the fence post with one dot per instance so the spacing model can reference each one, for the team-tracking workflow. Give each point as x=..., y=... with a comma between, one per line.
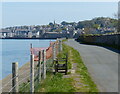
x=31, y=73
x=57, y=47
x=54, y=51
x=39, y=66
x=44, y=64
x=31, y=45
x=15, y=76
x=60, y=45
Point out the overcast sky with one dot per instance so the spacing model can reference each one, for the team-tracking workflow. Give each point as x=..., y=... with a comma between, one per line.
x=38, y=13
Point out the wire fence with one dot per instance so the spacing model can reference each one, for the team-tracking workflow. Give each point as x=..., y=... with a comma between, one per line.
x=28, y=80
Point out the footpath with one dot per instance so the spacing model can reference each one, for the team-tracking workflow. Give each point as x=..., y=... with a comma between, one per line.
x=101, y=63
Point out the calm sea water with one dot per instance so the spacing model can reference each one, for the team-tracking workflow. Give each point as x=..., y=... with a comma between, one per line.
x=17, y=51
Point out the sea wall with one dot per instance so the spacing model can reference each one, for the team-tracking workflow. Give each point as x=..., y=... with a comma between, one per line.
x=109, y=39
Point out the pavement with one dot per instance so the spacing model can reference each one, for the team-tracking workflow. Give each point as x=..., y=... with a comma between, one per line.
x=102, y=65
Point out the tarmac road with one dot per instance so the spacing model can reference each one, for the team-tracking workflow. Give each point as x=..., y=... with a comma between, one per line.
x=102, y=65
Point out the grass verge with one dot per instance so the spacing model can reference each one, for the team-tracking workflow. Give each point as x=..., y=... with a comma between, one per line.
x=85, y=79
x=87, y=83
x=56, y=83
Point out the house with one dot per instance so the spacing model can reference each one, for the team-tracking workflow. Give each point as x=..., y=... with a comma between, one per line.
x=29, y=34
x=5, y=33
x=21, y=33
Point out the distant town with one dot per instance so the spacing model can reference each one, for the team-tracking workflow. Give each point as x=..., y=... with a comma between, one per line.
x=100, y=25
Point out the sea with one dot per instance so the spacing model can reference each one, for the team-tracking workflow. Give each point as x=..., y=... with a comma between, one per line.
x=17, y=50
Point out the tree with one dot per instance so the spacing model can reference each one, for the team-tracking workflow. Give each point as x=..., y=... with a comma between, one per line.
x=64, y=23
x=96, y=26
x=51, y=24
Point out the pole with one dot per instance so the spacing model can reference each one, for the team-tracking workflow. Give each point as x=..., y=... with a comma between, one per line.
x=31, y=47
x=44, y=64
x=60, y=45
x=39, y=66
x=57, y=46
x=54, y=51
x=15, y=76
x=31, y=73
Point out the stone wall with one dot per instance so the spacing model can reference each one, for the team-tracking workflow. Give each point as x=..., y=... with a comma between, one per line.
x=55, y=35
x=113, y=39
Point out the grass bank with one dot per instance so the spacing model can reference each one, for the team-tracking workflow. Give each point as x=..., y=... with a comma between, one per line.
x=55, y=83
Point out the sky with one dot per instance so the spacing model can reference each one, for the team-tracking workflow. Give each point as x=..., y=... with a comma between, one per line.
x=41, y=13
x=60, y=0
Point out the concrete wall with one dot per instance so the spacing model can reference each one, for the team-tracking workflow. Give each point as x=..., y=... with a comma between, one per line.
x=106, y=39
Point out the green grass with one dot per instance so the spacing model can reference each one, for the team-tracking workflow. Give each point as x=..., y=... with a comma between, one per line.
x=24, y=87
x=64, y=40
x=55, y=83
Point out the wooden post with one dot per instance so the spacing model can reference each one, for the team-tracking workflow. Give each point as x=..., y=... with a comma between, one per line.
x=66, y=64
x=31, y=73
x=44, y=64
x=54, y=51
x=31, y=47
x=57, y=46
x=15, y=76
x=39, y=67
x=56, y=67
x=57, y=49
x=60, y=45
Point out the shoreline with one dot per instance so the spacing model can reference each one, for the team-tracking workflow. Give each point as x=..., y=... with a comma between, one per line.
x=23, y=71
x=30, y=38
x=11, y=73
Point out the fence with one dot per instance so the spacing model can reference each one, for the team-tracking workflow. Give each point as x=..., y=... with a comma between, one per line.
x=41, y=61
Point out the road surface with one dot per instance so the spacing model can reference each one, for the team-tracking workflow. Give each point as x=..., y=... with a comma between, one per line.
x=102, y=65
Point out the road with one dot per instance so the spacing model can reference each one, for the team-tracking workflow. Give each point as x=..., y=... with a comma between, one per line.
x=102, y=65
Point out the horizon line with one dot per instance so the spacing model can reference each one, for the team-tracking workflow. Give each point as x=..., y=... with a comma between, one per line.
x=56, y=22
